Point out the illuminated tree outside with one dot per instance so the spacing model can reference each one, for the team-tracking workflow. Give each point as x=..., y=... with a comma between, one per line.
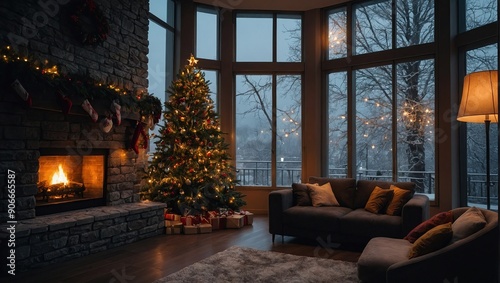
x=191, y=170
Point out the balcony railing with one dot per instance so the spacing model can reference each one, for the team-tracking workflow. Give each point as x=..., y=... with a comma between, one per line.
x=258, y=173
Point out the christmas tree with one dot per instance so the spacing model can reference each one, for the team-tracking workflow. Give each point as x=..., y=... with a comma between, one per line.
x=190, y=171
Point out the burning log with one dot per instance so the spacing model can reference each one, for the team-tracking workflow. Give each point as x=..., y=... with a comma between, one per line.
x=46, y=190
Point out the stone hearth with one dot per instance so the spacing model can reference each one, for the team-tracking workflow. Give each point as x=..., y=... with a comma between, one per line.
x=27, y=132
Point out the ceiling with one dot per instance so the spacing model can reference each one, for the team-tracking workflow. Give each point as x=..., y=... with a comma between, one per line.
x=270, y=5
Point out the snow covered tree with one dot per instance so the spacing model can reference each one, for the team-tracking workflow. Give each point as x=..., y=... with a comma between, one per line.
x=190, y=171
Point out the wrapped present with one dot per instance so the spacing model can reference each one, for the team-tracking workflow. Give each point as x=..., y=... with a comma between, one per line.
x=248, y=217
x=172, y=222
x=190, y=220
x=215, y=222
x=190, y=229
x=235, y=221
x=172, y=216
x=173, y=227
x=169, y=230
x=177, y=228
x=204, y=228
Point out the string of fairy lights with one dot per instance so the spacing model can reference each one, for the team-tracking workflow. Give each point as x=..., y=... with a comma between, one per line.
x=50, y=73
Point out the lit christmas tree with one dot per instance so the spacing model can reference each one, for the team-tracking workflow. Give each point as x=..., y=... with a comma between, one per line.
x=190, y=171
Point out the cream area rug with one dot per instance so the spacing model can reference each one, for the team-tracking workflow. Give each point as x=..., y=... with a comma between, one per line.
x=237, y=264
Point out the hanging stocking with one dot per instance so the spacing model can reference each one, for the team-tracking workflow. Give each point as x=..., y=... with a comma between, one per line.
x=139, y=131
x=90, y=110
x=115, y=109
x=18, y=87
x=64, y=101
x=106, y=124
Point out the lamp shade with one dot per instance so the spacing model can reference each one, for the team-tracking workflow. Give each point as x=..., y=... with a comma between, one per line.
x=479, y=98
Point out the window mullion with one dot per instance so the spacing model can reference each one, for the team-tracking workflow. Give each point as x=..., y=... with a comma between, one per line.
x=274, y=133
x=394, y=124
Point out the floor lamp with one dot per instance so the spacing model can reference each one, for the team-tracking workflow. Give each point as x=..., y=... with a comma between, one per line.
x=480, y=105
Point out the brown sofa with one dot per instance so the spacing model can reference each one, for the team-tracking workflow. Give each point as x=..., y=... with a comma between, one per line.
x=349, y=222
x=471, y=259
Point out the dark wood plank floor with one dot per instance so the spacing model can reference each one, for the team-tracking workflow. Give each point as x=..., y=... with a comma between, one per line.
x=154, y=258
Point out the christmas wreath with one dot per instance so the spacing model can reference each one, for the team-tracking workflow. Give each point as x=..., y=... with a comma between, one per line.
x=90, y=24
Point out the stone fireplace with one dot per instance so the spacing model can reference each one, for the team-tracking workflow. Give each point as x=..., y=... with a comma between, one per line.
x=99, y=205
x=69, y=180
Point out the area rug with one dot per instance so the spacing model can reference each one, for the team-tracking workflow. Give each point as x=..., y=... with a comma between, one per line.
x=238, y=264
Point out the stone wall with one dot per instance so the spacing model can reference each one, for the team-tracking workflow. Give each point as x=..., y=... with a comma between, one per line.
x=44, y=28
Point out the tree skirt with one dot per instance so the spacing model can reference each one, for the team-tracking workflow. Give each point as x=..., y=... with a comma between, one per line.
x=237, y=264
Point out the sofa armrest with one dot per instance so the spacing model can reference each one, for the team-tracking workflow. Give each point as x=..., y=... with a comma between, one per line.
x=278, y=201
x=415, y=211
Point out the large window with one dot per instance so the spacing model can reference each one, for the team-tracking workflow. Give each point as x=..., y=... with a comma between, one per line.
x=268, y=102
x=161, y=53
x=393, y=102
x=337, y=124
x=255, y=37
x=268, y=129
x=481, y=59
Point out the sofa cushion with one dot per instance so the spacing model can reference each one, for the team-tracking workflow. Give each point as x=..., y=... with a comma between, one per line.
x=422, y=228
x=468, y=223
x=379, y=198
x=364, y=189
x=326, y=218
x=301, y=194
x=343, y=188
x=322, y=195
x=378, y=255
x=399, y=199
x=369, y=225
x=433, y=240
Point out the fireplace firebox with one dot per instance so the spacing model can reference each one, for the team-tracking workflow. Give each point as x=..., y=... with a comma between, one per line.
x=69, y=180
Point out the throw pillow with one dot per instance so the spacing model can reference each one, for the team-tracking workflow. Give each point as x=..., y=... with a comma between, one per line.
x=422, y=228
x=378, y=200
x=322, y=195
x=399, y=199
x=301, y=194
x=468, y=223
x=433, y=240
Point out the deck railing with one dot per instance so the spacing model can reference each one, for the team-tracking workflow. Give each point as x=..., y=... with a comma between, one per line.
x=258, y=173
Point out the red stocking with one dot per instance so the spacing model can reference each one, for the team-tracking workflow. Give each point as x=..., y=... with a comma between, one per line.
x=139, y=131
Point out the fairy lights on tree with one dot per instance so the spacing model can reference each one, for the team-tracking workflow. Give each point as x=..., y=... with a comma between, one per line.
x=190, y=171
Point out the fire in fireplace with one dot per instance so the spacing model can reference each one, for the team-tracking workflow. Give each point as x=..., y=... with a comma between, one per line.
x=68, y=181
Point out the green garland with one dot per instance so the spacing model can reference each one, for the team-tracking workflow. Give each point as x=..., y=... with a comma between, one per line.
x=44, y=78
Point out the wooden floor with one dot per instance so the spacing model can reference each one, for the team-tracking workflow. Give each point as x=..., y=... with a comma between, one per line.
x=154, y=258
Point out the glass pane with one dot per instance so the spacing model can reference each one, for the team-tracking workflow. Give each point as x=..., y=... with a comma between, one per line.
x=337, y=125
x=373, y=123
x=254, y=38
x=254, y=129
x=207, y=35
x=481, y=59
x=159, y=9
x=414, y=22
x=156, y=69
x=373, y=27
x=289, y=38
x=480, y=12
x=212, y=80
x=415, y=124
x=288, y=130
x=337, y=39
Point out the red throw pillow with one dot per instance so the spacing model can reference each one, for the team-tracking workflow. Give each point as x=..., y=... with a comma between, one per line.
x=422, y=228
